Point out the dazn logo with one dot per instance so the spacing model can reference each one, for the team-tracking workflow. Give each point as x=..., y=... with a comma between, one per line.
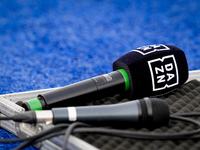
x=164, y=72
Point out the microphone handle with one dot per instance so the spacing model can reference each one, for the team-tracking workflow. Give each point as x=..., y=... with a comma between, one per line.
x=90, y=89
x=145, y=111
x=123, y=112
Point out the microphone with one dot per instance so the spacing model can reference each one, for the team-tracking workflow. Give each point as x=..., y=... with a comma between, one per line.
x=146, y=71
x=147, y=112
x=154, y=69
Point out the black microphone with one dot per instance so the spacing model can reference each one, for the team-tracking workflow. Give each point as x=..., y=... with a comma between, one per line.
x=146, y=71
x=147, y=112
x=154, y=69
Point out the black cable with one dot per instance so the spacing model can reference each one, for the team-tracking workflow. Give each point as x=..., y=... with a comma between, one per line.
x=13, y=140
x=39, y=135
x=5, y=118
x=69, y=131
x=51, y=135
x=187, y=114
x=35, y=136
x=145, y=135
x=60, y=129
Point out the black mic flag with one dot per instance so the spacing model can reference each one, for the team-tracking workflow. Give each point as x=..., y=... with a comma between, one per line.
x=146, y=71
x=154, y=69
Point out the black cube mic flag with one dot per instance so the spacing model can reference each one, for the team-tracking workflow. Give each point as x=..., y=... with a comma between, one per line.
x=154, y=69
x=146, y=71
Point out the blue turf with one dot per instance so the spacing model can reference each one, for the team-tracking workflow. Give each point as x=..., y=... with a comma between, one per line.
x=46, y=43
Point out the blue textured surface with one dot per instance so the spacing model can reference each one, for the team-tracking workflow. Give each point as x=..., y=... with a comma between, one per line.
x=46, y=44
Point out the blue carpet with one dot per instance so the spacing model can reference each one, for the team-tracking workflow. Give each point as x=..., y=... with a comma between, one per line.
x=46, y=44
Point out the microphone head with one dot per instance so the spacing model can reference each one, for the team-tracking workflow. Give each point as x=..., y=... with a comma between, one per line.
x=155, y=112
x=153, y=70
x=161, y=112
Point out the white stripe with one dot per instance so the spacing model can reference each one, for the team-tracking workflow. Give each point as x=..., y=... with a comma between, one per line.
x=72, y=114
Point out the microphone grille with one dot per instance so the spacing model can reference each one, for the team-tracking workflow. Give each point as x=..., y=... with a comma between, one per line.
x=160, y=111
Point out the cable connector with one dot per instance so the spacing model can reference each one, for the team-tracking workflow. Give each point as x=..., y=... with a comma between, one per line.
x=45, y=116
x=27, y=117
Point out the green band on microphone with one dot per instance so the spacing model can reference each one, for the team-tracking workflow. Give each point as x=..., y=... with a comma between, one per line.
x=34, y=104
x=126, y=78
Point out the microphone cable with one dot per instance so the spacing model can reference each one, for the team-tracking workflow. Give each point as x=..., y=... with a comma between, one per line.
x=79, y=127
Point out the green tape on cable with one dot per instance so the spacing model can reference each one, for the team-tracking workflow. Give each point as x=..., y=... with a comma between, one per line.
x=34, y=104
x=126, y=78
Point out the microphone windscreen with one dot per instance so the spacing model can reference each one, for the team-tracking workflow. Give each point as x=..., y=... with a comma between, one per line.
x=153, y=70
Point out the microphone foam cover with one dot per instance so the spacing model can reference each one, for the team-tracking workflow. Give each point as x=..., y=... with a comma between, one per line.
x=153, y=70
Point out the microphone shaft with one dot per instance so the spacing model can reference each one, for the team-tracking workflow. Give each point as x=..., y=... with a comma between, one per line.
x=81, y=92
x=97, y=87
x=123, y=112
